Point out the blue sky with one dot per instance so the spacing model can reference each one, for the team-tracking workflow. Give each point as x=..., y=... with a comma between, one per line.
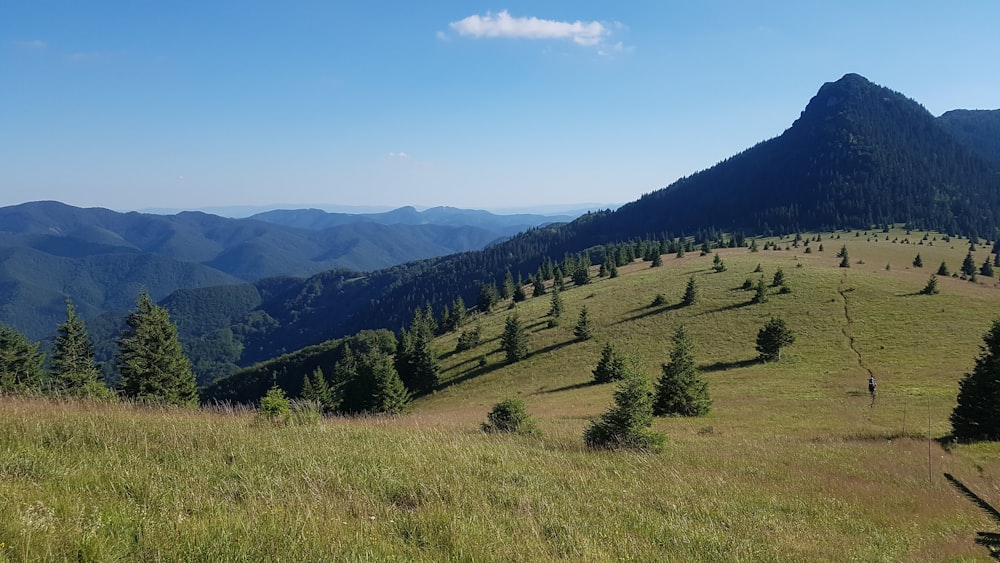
x=135, y=104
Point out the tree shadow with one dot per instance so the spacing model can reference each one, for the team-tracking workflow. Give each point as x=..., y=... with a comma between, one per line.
x=726, y=366
x=989, y=540
x=650, y=311
x=471, y=374
x=732, y=307
x=581, y=385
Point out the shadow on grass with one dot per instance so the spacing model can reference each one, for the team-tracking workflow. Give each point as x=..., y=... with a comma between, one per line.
x=725, y=366
x=989, y=540
x=471, y=374
x=650, y=311
x=581, y=385
x=732, y=307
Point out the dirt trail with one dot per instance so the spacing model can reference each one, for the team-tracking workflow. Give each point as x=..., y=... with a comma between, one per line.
x=846, y=329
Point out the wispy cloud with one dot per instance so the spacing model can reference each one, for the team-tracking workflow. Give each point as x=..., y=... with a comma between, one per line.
x=506, y=26
x=398, y=156
x=30, y=44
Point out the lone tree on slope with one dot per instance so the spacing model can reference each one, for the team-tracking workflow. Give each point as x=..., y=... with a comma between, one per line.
x=774, y=336
x=977, y=414
x=680, y=391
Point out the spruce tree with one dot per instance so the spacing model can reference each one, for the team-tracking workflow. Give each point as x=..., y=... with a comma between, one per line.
x=519, y=294
x=507, y=289
x=657, y=261
x=760, y=292
x=977, y=414
x=583, y=330
x=514, y=341
x=556, y=306
x=918, y=262
x=690, y=293
x=931, y=288
x=626, y=425
x=717, y=264
x=969, y=265
x=779, y=278
x=943, y=269
x=73, y=368
x=538, y=285
x=845, y=262
x=680, y=391
x=20, y=363
x=150, y=359
x=987, y=268
x=771, y=338
x=389, y=394
x=611, y=366
x=415, y=362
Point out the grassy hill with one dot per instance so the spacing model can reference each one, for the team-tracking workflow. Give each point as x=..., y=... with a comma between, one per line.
x=793, y=462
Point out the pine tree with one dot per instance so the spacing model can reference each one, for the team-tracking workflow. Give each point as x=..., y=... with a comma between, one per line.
x=415, y=362
x=73, y=368
x=918, y=262
x=943, y=269
x=717, y=264
x=774, y=336
x=538, y=285
x=760, y=292
x=931, y=288
x=977, y=414
x=611, y=366
x=680, y=391
x=987, y=268
x=150, y=359
x=507, y=289
x=845, y=262
x=488, y=297
x=514, y=341
x=583, y=330
x=690, y=293
x=969, y=265
x=626, y=425
x=389, y=394
x=613, y=271
x=753, y=246
x=657, y=261
x=519, y=294
x=20, y=363
x=779, y=278
x=556, y=307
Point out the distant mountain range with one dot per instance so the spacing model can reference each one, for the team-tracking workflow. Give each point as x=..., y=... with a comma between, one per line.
x=100, y=258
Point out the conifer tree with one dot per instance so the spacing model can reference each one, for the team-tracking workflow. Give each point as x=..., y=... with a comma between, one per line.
x=20, y=363
x=488, y=297
x=538, y=285
x=626, y=425
x=774, y=336
x=556, y=306
x=415, y=362
x=845, y=262
x=717, y=264
x=969, y=265
x=977, y=413
x=514, y=341
x=73, y=368
x=690, y=293
x=657, y=261
x=987, y=268
x=611, y=366
x=680, y=391
x=613, y=271
x=389, y=394
x=150, y=359
x=760, y=292
x=779, y=278
x=519, y=294
x=507, y=289
x=943, y=269
x=583, y=330
x=931, y=288
x=918, y=262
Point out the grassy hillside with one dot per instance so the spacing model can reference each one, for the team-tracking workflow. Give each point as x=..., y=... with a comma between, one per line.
x=793, y=462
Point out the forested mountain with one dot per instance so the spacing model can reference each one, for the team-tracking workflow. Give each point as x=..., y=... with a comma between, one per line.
x=859, y=155
x=503, y=225
x=977, y=129
x=100, y=258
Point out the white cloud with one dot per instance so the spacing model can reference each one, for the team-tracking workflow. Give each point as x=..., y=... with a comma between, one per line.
x=504, y=25
x=398, y=156
x=33, y=44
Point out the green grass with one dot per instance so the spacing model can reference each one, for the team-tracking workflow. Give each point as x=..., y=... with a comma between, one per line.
x=793, y=463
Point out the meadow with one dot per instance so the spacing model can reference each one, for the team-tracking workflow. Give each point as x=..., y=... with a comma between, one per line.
x=794, y=462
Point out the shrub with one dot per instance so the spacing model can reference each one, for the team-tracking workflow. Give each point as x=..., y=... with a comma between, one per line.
x=626, y=424
x=659, y=300
x=509, y=415
x=275, y=406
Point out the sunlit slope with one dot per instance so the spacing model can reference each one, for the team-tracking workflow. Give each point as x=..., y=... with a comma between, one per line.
x=849, y=322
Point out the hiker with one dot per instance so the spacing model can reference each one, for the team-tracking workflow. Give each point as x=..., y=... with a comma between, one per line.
x=872, y=386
